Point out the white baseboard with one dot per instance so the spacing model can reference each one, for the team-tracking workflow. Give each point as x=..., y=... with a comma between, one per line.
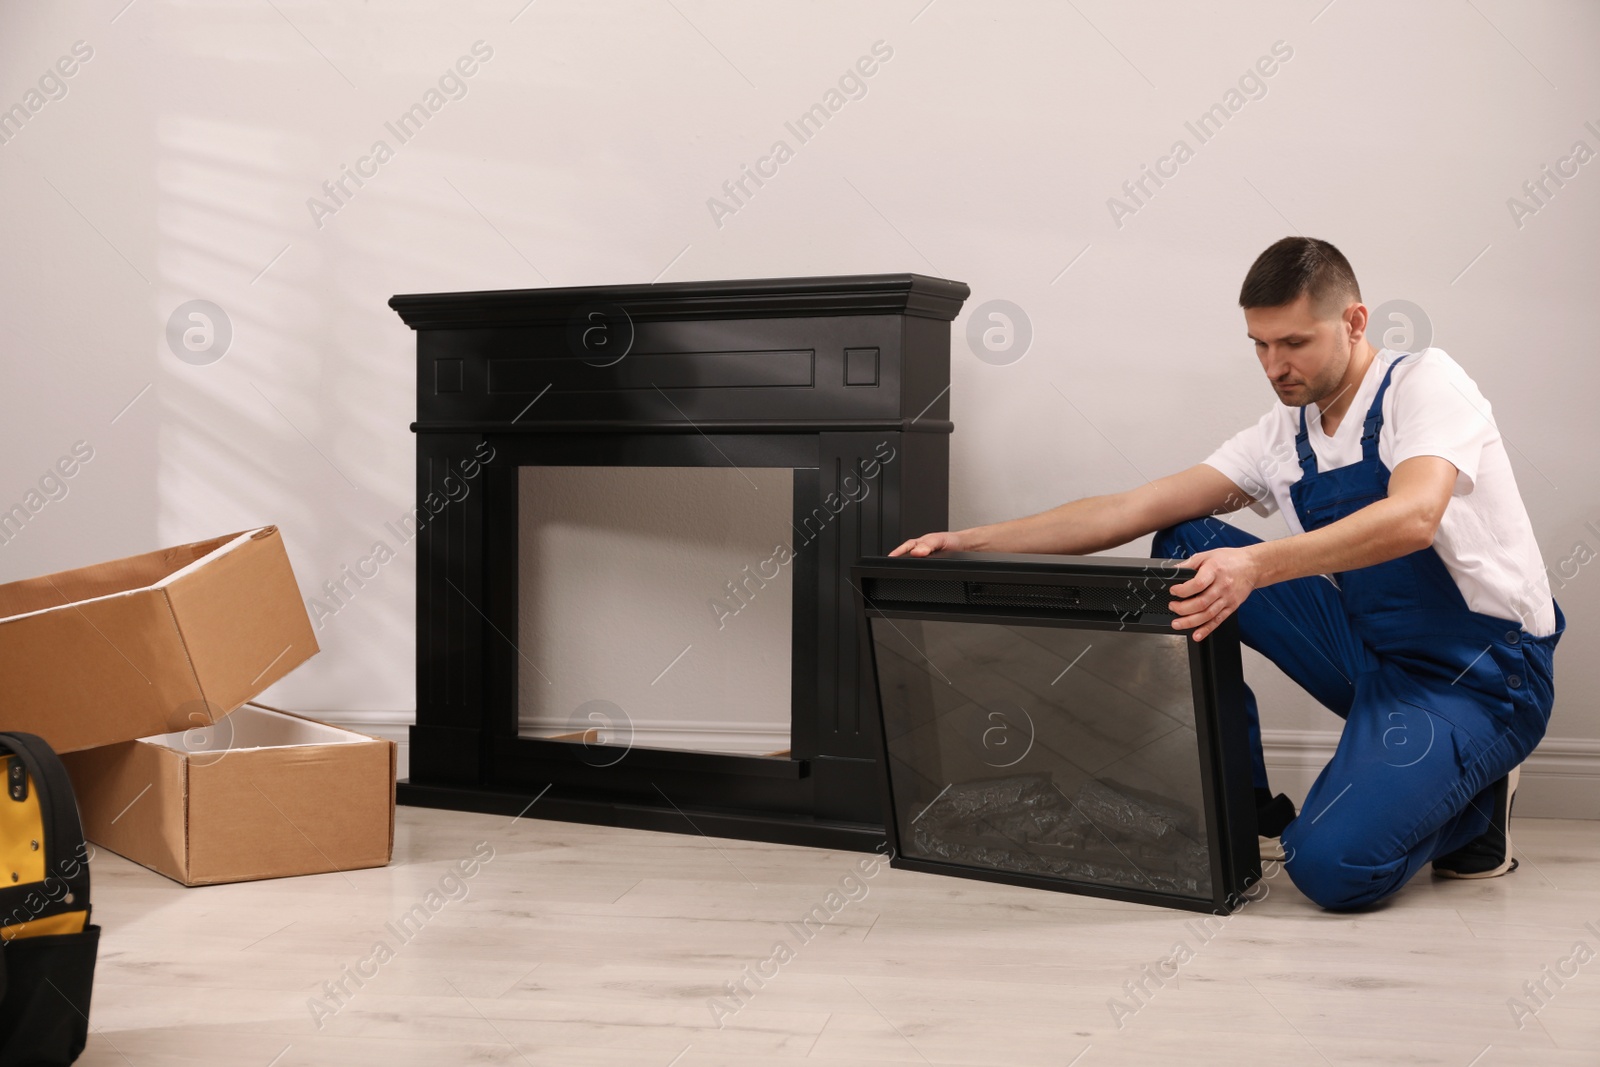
x=1561, y=780
x=708, y=736
x=704, y=735
x=390, y=725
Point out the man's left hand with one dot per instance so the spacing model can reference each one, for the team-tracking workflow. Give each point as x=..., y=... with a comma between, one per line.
x=1223, y=578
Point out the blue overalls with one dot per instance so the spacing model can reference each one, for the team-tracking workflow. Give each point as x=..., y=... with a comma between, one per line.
x=1439, y=701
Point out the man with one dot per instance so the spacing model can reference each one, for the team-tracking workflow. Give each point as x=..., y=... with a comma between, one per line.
x=1409, y=597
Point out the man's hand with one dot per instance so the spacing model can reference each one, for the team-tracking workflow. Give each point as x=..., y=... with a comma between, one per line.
x=933, y=542
x=1223, y=578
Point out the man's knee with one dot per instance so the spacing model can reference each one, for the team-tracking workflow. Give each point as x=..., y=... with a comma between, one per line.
x=1331, y=875
x=1183, y=539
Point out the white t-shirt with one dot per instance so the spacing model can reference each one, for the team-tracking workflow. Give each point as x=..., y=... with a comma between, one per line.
x=1432, y=408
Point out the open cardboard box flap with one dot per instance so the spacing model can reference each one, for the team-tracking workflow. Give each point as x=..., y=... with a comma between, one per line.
x=262, y=794
x=168, y=640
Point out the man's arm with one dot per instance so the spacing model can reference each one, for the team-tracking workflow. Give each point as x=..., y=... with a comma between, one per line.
x=1401, y=523
x=1094, y=523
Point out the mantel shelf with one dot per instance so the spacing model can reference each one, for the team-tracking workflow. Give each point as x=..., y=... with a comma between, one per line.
x=859, y=294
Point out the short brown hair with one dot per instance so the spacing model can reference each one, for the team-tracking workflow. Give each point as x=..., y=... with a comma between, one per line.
x=1298, y=265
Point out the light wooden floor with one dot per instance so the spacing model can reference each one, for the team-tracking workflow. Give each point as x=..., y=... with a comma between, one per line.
x=581, y=945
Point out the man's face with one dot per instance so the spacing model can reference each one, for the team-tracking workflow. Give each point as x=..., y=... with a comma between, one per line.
x=1304, y=353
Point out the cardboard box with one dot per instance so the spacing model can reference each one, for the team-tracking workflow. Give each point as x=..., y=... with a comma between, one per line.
x=169, y=640
x=262, y=794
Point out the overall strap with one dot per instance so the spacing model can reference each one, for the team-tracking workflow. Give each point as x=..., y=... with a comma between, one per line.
x=1374, y=419
x=1302, y=446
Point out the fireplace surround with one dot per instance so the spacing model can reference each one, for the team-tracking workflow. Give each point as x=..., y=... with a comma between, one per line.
x=840, y=383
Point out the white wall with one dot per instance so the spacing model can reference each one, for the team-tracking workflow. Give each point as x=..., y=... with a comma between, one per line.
x=653, y=607
x=179, y=163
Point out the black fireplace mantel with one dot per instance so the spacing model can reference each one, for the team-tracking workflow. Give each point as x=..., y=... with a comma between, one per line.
x=825, y=376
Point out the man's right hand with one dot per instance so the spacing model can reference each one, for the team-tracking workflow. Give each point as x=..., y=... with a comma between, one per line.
x=933, y=542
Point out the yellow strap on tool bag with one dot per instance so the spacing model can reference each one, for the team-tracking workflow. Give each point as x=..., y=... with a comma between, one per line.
x=44, y=870
x=21, y=834
x=48, y=946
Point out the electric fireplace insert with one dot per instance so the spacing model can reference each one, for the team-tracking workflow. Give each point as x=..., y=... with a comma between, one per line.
x=1044, y=725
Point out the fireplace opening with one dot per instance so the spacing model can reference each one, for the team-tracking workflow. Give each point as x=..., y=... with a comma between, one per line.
x=656, y=608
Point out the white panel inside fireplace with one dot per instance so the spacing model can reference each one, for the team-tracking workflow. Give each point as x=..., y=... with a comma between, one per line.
x=630, y=631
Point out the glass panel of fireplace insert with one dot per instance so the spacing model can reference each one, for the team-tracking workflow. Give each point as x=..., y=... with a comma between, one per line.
x=1049, y=751
x=656, y=607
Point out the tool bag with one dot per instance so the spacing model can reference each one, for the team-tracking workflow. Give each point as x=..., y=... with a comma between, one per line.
x=47, y=944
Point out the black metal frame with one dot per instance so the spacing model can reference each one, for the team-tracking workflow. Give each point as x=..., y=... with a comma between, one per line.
x=1093, y=593
x=821, y=375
